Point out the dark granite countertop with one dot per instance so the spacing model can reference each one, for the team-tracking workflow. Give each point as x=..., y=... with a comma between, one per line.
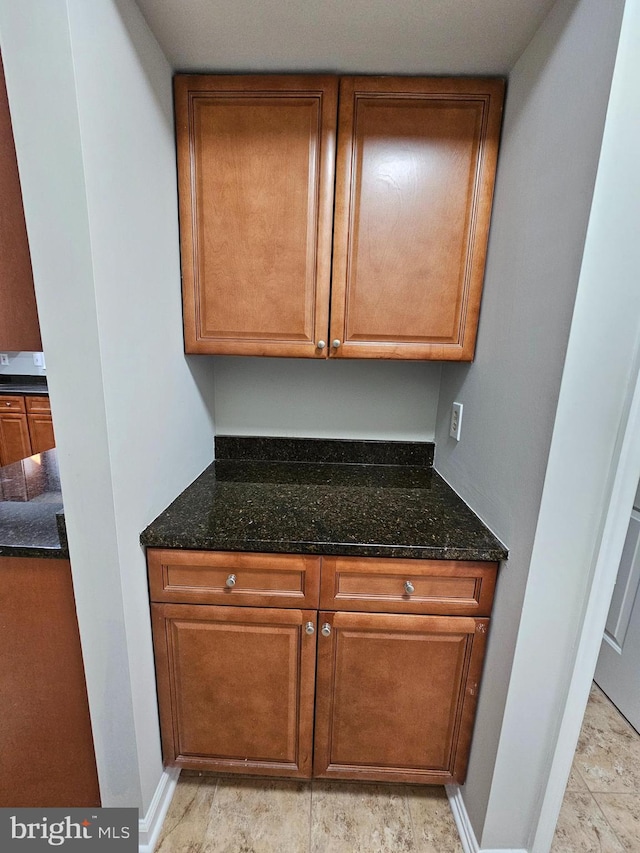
x=244, y=503
x=31, y=512
x=24, y=385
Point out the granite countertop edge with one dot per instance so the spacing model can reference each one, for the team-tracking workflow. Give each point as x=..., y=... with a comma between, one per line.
x=328, y=549
x=361, y=510
x=35, y=551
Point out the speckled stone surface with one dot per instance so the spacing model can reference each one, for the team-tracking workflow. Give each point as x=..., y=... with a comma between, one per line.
x=324, y=450
x=294, y=507
x=30, y=528
x=24, y=385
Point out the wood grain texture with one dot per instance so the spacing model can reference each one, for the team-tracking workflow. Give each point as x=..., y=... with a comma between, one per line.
x=19, y=326
x=262, y=580
x=442, y=587
x=414, y=184
x=41, y=432
x=15, y=443
x=36, y=405
x=236, y=688
x=45, y=733
x=12, y=403
x=255, y=176
x=396, y=696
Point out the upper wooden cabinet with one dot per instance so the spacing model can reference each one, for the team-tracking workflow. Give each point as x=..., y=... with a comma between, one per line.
x=19, y=326
x=256, y=164
x=416, y=161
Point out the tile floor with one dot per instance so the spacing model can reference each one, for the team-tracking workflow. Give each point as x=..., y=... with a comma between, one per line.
x=601, y=808
x=210, y=814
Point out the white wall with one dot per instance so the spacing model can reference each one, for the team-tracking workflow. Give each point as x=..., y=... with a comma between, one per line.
x=556, y=101
x=590, y=431
x=90, y=94
x=326, y=399
x=21, y=364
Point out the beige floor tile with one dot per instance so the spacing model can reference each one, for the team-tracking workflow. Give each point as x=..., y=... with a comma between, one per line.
x=354, y=818
x=188, y=817
x=259, y=816
x=622, y=811
x=582, y=828
x=608, y=753
x=576, y=782
x=434, y=828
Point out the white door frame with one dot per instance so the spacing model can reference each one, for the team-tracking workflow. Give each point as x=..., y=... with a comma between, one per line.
x=616, y=523
x=615, y=215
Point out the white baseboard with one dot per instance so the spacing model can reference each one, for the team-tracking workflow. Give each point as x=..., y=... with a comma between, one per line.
x=465, y=830
x=151, y=824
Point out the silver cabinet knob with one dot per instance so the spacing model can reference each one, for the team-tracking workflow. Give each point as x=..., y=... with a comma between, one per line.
x=325, y=630
x=230, y=581
x=335, y=343
x=321, y=344
x=309, y=628
x=409, y=588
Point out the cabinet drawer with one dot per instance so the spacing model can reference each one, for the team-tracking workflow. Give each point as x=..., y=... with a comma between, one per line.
x=11, y=404
x=38, y=405
x=220, y=577
x=438, y=587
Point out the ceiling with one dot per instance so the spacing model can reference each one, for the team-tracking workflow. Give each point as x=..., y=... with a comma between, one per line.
x=345, y=36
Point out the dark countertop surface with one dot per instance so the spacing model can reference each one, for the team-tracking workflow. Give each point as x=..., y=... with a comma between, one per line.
x=29, y=385
x=333, y=507
x=31, y=512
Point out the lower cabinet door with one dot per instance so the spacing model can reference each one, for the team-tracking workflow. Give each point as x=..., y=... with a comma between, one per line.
x=14, y=438
x=396, y=696
x=41, y=433
x=236, y=687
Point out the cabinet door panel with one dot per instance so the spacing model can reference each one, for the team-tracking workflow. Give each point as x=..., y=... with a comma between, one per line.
x=19, y=327
x=14, y=438
x=256, y=163
x=415, y=172
x=396, y=696
x=236, y=688
x=41, y=433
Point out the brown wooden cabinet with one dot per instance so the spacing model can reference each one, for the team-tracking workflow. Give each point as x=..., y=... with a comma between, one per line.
x=416, y=160
x=26, y=427
x=395, y=693
x=236, y=687
x=40, y=424
x=46, y=742
x=15, y=443
x=19, y=326
x=396, y=696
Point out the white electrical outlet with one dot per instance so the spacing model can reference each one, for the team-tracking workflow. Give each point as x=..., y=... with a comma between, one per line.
x=456, y=421
x=4, y=359
x=38, y=359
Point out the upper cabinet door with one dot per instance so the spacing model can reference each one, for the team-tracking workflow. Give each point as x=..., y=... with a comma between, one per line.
x=414, y=183
x=256, y=174
x=19, y=325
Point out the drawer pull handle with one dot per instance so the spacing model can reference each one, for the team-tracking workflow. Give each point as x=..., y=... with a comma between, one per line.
x=326, y=629
x=321, y=344
x=230, y=581
x=335, y=343
x=309, y=628
x=409, y=588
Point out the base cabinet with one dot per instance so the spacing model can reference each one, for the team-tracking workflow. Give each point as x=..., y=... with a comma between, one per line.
x=26, y=427
x=236, y=687
x=396, y=696
x=393, y=695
